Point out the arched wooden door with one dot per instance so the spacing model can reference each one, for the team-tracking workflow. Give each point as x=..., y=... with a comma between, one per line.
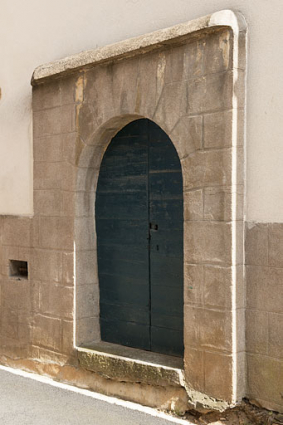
x=139, y=224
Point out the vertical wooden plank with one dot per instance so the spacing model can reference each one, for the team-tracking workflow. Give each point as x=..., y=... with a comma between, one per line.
x=122, y=243
x=166, y=244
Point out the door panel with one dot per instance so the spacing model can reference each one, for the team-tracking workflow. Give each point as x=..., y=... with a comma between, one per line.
x=139, y=223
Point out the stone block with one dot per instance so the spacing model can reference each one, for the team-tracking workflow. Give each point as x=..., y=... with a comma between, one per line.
x=15, y=328
x=208, y=242
x=207, y=329
x=87, y=301
x=56, y=300
x=207, y=168
x=211, y=93
x=48, y=202
x=71, y=88
x=275, y=335
x=34, y=296
x=9, y=253
x=125, y=87
x=150, y=89
x=215, y=329
x=86, y=267
x=275, y=240
x=194, y=368
x=219, y=131
x=86, y=179
x=193, y=284
x=68, y=336
x=84, y=204
x=47, y=175
x=171, y=106
x=98, y=91
x=174, y=64
x=46, y=332
x=85, y=234
x=87, y=330
x=193, y=59
x=61, y=119
x=16, y=231
x=47, y=265
x=265, y=377
x=193, y=205
x=187, y=135
x=68, y=268
x=256, y=244
x=56, y=233
x=48, y=149
x=68, y=203
x=264, y=288
x=46, y=96
x=218, y=51
x=15, y=295
x=223, y=203
x=217, y=291
x=218, y=370
x=72, y=146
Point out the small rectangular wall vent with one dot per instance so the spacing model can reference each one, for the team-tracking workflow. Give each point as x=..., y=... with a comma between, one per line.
x=18, y=269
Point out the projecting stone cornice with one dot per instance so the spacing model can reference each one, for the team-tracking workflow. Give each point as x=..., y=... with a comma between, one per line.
x=140, y=44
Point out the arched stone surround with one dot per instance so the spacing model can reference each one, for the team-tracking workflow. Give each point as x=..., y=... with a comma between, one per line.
x=190, y=83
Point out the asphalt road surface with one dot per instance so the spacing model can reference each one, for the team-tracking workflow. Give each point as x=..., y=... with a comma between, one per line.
x=26, y=401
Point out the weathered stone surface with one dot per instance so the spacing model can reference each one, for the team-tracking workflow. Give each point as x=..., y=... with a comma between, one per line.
x=87, y=330
x=210, y=93
x=47, y=265
x=265, y=377
x=207, y=329
x=125, y=369
x=56, y=300
x=187, y=135
x=48, y=202
x=50, y=150
x=256, y=244
x=275, y=335
x=264, y=288
x=275, y=245
x=223, y=203
x=194, y=368
x=16, y=295
x=218, y=52
x=193, y=278
x=208, y=242
x=16, y=231
x=87, y=301
x=55, y=121
x=56, y=233
x=46, y=332
x=68, y=268
x=86, y=267
x=85, y=232
x=207, y=168
x=193, y=205
x=68, y=334
x=218, y=375
x=172, y=104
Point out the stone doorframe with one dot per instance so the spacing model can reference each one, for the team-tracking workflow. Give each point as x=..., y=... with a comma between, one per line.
x=190, y=80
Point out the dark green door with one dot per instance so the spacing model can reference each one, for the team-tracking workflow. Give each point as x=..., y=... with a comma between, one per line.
x=139, y=224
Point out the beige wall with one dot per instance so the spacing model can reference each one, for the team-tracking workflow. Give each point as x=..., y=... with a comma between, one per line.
x=35, y=32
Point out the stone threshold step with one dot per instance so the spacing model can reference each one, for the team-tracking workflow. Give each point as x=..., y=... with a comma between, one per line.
x=127, y=364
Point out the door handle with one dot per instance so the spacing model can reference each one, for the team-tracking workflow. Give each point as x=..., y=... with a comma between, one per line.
x=153, y=226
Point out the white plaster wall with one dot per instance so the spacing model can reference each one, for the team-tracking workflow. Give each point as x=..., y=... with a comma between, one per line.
x=33, y=32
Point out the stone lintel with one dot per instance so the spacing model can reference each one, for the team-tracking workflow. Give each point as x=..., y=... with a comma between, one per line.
x=140, y=44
